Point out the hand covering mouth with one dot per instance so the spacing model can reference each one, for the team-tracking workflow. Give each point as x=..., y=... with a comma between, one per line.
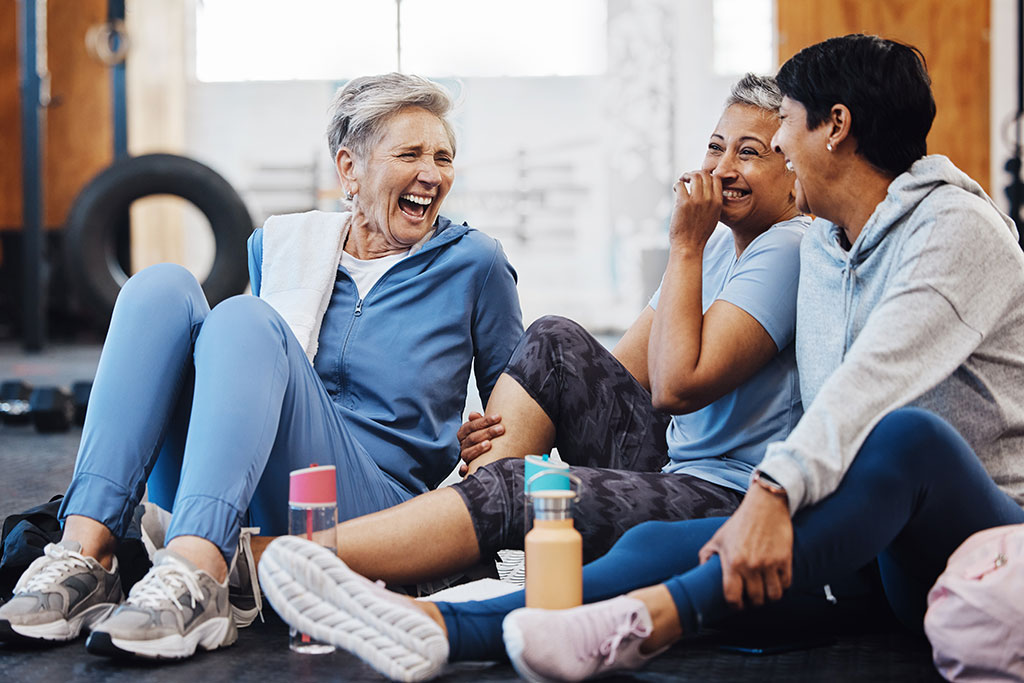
x=415, y=205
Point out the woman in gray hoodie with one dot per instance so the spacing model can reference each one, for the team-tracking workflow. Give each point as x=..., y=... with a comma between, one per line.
x=910, y=347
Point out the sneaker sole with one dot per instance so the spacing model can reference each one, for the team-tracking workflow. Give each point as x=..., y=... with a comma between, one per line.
x=210, y=635
x=316, y=593
x=513, y=638
x=55, y=631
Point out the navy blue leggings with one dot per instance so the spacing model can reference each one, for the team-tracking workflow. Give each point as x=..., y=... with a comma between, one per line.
x=915, y=491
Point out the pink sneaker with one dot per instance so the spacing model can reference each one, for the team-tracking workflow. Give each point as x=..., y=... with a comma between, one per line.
x=579, y=643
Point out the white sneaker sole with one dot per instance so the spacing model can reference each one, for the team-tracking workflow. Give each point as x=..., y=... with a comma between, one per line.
x=65, y=629
x=210, y=635
x=316, y=593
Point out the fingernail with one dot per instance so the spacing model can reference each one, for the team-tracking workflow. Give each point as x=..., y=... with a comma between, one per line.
x=499, y=429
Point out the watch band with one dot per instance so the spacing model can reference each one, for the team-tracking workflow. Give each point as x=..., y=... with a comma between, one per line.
x=766, y=482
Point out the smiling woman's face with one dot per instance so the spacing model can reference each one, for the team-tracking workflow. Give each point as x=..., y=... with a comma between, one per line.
x=756, y=187
x=404, y=179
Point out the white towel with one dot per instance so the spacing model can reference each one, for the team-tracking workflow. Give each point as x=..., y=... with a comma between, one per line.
x=301, y=253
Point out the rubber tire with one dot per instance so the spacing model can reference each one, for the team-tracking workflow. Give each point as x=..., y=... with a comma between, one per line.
x=100, y=208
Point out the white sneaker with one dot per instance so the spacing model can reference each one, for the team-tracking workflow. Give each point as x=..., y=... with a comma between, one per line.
x=316, y=593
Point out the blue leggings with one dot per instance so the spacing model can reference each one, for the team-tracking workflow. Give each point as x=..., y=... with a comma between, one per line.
x=915, y=491
x=214, y=408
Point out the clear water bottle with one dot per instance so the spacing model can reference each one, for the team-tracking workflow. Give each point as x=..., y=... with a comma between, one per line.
x=313, y=514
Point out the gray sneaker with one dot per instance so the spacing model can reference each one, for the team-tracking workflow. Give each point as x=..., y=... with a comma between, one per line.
x=243, y=585
x=59, y=594
x=171, y=611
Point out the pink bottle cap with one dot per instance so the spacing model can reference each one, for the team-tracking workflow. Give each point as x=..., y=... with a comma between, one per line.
x=314, y=485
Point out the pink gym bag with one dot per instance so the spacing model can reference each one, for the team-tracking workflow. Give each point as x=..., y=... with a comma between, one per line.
x=975, y=618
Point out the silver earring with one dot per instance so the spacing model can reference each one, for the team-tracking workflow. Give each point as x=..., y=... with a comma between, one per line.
x=828, y=146
x=349, y=196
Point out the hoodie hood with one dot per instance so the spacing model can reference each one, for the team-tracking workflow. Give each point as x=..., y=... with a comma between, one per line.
x=906, y=192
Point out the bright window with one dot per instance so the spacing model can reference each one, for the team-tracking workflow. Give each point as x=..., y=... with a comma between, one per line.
x=744, y=36
x=240, y=40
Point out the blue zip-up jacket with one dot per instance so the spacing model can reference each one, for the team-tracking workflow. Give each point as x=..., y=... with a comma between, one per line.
x=397, y=362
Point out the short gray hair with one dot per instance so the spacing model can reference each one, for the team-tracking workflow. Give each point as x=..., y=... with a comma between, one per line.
x=364, y=104
x=757, y=91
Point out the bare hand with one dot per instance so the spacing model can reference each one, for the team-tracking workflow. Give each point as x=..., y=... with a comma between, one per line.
x=755, y=546
x=697, y=209
x=474, y=437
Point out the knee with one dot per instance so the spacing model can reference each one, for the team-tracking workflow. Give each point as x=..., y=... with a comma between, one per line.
x=551, y=336
x=159, y=284
x=908, y=441
x=164, y=288
x=243, y=317
x=645, y=536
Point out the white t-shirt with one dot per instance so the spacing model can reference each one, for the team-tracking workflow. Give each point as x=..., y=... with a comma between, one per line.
x=366, y=273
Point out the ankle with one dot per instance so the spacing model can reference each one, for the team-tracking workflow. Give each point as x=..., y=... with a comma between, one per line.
x=203, y=554
x=432, y=611
x=666, y=628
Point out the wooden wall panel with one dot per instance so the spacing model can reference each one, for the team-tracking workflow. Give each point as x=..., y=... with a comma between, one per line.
x=10, y=118
x=79, y=123
x=953, y=35
x=78, y=135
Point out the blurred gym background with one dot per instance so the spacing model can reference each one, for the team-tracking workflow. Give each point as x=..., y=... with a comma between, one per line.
x=142, y=131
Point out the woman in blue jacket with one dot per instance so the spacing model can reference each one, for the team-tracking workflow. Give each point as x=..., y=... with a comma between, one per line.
x=356, y=351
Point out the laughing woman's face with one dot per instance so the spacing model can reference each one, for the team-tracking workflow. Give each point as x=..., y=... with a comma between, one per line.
x=404, y=180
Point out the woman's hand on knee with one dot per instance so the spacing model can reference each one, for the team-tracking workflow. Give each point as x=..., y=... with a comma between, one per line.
x=475, y=437
x=755, y=547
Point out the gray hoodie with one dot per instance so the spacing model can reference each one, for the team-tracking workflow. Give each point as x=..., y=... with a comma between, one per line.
x=925, y=309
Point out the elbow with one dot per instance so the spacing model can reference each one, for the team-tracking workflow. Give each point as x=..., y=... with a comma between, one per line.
x=676, y=403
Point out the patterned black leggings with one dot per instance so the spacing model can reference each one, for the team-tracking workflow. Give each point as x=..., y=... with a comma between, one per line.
x=607, y=429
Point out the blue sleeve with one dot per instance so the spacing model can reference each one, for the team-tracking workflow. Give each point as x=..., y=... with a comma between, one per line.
x=255, y=260
x=764, y=282
x=497, y=323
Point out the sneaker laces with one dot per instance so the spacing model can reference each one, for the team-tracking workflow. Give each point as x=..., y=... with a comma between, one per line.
x=245, y=547
x=63, y=560
x=163, y=583
x=630, y=626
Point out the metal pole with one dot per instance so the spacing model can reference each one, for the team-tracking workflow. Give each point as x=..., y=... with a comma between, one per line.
x=32, y=62
x=115, y=13
x=398, y=32
x=123, y=233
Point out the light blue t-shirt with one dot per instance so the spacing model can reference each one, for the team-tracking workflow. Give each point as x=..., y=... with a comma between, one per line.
x=723, y=441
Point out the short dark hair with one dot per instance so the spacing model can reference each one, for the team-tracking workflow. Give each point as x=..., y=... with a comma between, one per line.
x=883, y=83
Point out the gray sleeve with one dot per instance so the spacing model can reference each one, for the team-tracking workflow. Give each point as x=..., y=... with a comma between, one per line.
x=947, y=294
x=883, y=371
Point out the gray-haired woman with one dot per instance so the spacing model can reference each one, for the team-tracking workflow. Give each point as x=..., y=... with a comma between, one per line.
x=668, y=426
x=356, y=351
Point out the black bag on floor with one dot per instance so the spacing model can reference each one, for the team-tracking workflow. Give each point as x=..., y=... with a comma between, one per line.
x=26, y=534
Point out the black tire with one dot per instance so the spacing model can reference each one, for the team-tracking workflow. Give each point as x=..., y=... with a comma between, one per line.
x=99, y=210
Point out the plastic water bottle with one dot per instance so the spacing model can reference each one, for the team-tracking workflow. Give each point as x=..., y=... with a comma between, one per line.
x=313, y=514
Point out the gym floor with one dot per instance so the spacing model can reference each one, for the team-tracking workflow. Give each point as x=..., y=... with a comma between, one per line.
x=34, y=467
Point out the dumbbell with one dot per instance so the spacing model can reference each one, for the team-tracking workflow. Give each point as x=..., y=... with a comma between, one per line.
x=49, y=408
x=52, y=409
x=14, y=402
x=80, y=397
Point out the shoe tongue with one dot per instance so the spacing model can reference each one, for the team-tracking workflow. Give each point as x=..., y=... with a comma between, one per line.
x=165, y=556
x=73, y=546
